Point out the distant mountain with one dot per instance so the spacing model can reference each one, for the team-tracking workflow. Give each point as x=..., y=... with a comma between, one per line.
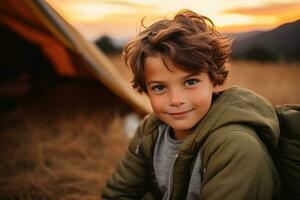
x=282, y=42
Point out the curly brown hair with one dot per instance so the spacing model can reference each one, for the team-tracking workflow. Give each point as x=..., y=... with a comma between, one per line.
x=190, y=41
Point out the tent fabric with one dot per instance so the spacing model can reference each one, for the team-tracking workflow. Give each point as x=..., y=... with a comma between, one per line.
x=31, y=28
x=37, y=22
x=48, y=44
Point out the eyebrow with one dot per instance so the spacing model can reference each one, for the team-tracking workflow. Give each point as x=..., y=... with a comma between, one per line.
x=154, y=82
x=192, y=74
x=184, y=77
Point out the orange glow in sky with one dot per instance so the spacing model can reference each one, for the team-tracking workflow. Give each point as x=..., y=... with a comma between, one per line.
x=121, y=18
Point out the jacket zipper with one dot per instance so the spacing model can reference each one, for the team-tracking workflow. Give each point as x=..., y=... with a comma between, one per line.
x=171, y=176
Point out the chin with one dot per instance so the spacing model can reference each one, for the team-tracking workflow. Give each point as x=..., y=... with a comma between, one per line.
x=183, y=127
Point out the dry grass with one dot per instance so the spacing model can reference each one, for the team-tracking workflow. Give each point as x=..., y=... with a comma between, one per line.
x=59, y=158
x=65, y=153
x=276, y=82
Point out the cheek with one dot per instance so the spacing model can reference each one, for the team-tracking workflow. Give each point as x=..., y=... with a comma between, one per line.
x=157, y=103
x=196, y=96
x=201, y=98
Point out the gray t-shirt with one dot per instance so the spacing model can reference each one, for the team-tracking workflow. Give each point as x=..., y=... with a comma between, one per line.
x=164, y=157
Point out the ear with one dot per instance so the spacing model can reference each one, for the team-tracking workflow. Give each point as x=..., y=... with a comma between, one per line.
x=217, y=88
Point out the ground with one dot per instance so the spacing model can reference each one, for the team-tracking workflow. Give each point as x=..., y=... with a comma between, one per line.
x=61, y=144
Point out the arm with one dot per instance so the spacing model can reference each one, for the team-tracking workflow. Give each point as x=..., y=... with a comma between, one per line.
x=237, y=167
x=130, y=180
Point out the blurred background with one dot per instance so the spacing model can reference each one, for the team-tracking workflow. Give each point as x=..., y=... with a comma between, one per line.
x=66, y=105
x=266, y=35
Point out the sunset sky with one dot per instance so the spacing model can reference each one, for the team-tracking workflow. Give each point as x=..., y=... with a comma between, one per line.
x=121, y=18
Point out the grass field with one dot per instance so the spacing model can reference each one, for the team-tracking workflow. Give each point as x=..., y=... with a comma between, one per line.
x=278, y=82
x=64, y=144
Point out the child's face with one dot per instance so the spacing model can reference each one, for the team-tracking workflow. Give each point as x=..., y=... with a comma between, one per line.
x=179, y=98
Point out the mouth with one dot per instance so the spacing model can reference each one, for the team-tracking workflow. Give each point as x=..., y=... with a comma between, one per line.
x=179, y=114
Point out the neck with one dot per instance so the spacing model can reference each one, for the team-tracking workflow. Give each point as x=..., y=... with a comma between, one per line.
x=179, y=134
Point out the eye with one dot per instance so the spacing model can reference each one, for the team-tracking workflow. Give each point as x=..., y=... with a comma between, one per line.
x=191, y=82
x=158, y=89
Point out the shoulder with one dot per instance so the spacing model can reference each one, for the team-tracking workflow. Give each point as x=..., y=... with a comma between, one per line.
x=236, y=141
x=146, y=135
x=237, y=152
x=236, y=157
x=148, y=124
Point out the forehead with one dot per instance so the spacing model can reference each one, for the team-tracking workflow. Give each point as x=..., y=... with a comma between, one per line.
x=157, y=70
x=155, y=65
x=161, y=63
x=156, y=59
x=173, y=63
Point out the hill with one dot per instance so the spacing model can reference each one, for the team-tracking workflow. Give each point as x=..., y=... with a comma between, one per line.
x=281, y=43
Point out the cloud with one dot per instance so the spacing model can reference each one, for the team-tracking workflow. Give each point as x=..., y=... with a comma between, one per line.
x=269, y=9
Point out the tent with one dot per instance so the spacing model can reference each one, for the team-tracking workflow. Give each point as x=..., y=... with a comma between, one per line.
x=70, y=54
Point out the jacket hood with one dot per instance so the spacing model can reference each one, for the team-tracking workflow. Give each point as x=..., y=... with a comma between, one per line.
x=237, y=105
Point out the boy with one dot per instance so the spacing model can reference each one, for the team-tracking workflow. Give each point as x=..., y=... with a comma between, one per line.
x=200, y=142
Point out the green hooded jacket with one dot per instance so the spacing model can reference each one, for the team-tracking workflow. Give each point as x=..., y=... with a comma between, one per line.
x=233, y=138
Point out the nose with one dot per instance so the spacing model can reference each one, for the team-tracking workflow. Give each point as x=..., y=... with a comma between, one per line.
x=176, y=98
